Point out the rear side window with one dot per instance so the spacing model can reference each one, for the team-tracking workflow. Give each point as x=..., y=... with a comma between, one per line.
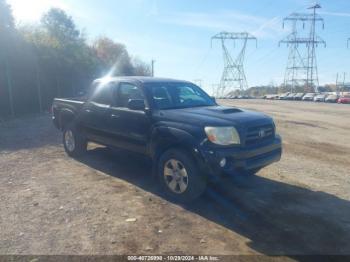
x=126, y=92
x=102, y=94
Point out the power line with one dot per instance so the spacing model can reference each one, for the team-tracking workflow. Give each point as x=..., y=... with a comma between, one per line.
x=203, y=60
x=233, y=76
x=340, y=85
x=9, y=84
x=301, y=67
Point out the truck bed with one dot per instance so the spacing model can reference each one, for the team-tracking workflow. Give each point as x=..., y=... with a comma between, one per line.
x=74, y=101
x=64, y=105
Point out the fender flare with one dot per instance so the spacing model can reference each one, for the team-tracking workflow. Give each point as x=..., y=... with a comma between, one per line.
x=65, y=116
x=164, y=138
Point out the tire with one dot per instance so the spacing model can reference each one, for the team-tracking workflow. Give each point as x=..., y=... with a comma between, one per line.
x=74, y=144
x=179, y=176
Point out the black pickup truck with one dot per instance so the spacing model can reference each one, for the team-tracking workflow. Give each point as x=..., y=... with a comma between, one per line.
x=186, y=134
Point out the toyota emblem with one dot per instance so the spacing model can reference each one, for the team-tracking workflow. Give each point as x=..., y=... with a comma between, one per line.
x=262, y=133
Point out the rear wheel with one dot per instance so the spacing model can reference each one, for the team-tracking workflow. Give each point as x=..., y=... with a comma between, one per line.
x=74, y=144
x=179, y=176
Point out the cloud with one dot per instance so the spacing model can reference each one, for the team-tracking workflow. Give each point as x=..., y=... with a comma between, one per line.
x=225, y=21
x=269, y=28
x=334, y=14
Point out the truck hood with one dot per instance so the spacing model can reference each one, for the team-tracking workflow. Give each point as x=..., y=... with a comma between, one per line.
x=215, y=116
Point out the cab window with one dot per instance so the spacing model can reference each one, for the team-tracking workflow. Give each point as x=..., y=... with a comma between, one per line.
x=102, y=94
x=126, y=92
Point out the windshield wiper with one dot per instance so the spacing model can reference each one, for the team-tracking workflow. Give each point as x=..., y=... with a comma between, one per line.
x=198, y=106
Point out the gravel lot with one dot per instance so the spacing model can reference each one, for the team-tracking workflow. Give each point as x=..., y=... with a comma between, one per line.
x=51, y=204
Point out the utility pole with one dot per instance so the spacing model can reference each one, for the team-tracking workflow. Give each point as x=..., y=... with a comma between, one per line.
x=343, y=81
x=9, y=85
x=311, y=47
x=152, y=67
x=233, y=76
x=38, y=83
x=336, y=85
x=340, y=84
x=302, y=69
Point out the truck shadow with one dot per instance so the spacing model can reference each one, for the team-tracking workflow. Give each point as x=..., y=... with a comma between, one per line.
x=278, y=218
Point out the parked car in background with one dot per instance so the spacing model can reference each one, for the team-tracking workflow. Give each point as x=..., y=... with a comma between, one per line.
x=283, y=96
x=271, y=97
x=332, y=99
x=244, y=97
x=298, y=96
x=320, y=98
x=309, y=97
x=344, y=99
x=290, y=96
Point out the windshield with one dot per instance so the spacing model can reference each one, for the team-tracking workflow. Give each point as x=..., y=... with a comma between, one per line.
x=178, y=95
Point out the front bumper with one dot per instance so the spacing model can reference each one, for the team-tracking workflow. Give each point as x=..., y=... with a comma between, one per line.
x=242, y=159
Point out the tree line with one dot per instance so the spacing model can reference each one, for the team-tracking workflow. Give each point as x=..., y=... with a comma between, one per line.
x=53, y=59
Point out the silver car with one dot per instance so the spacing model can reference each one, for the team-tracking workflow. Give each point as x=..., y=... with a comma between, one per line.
x=332, y=99
x=320, y=98
x=309, y=97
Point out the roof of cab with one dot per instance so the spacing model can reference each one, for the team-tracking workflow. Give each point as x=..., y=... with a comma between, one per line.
x=141, y=79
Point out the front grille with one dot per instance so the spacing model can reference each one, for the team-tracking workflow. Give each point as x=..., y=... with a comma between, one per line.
x=259, y=134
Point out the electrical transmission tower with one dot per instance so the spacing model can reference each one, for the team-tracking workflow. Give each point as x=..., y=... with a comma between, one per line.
x=233, y=77
x=301, y=67
x=340, y=85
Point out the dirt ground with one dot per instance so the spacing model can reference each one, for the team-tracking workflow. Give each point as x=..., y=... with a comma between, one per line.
x=52, y=204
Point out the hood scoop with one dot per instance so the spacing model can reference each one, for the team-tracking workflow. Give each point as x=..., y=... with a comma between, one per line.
x=225, y=110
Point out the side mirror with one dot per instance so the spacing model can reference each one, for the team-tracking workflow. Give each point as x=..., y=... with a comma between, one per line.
x=136, y=104
x=213, y=98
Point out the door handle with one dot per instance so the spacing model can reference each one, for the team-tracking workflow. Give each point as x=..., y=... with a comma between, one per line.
x=114, y=116
x=88, y=111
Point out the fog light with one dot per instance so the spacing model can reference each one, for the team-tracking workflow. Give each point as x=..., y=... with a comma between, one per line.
x=223, y=162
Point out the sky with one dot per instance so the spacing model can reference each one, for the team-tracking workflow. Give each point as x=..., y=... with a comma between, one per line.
x=177, y=33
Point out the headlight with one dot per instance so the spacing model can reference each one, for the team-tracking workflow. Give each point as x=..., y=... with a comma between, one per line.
x=223, y=135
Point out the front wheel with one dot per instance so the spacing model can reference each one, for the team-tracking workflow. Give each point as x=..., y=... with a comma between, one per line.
x=179, y=176
x=74, y=144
